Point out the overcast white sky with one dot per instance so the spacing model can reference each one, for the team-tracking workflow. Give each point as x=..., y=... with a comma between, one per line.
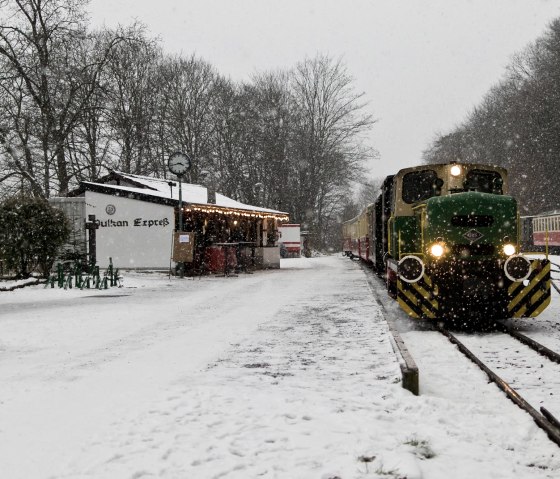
x=423, y=64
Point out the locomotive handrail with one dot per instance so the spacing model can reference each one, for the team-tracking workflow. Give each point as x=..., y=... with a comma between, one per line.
x=389, y=233
x=422, y=227
x=422, y=220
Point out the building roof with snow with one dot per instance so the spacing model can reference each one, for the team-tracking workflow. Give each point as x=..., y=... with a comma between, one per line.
x=166, y=191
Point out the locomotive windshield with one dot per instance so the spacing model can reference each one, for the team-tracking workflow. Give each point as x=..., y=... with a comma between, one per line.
x=420, y=185
x=484, y=181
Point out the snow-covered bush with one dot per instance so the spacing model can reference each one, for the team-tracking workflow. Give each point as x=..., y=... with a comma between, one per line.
x=31, y=234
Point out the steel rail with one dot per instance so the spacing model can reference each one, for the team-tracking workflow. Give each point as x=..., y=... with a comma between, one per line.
x=534, y=345
x=546, y=421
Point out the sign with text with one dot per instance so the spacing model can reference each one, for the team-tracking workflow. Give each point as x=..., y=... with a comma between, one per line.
x=183, y=246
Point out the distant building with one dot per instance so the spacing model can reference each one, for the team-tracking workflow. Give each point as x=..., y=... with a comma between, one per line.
x=290, y=240
x=135, y=217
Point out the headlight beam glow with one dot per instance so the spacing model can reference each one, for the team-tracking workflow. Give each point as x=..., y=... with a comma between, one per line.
x=437, y=250
x=455, y=170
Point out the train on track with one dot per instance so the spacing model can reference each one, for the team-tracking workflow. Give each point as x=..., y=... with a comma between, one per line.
x=447, y=240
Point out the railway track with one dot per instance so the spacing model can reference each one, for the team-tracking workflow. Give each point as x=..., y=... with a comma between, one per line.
x=530, y=391
x=529, y=388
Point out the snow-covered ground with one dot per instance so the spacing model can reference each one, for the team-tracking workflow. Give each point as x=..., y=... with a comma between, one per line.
x=279, y=374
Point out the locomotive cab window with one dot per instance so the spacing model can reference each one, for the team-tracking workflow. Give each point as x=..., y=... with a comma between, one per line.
x=420, y=185
x=484, y=181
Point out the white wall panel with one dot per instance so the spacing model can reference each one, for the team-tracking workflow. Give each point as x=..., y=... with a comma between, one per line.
x=136, y=234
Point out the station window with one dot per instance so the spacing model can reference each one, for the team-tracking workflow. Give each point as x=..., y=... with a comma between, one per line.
x=420, y=185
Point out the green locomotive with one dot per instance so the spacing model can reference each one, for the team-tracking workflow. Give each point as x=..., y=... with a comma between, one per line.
x=446, y=237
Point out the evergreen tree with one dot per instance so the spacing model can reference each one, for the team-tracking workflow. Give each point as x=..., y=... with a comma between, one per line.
x=31, y=235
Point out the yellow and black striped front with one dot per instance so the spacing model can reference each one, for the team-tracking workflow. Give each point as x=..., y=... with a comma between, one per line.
x=528, y=301
x=419, y=299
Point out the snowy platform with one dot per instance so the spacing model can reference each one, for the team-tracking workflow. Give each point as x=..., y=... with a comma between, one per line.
x=258, y=377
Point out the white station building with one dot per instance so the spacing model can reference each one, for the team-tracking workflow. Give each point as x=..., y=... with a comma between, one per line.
x=135, y=217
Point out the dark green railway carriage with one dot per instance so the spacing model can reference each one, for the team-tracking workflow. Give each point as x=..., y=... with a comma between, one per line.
x=449, y=237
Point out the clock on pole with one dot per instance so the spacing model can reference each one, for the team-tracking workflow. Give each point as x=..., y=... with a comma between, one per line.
x=178, y=164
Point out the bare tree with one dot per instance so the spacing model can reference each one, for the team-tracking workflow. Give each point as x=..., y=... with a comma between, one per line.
x=132, y=92
x=235, y=150
x=91, y=145
x=189, y=96
x=517, y=126
x=41, y=44
x=329, y=144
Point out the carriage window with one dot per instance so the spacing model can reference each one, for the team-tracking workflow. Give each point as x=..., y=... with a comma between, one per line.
x=420, y=185
x=484, y=181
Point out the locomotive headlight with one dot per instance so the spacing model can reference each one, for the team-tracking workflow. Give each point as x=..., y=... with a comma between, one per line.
x=455, y=170
x=410, y=269
x=517, y=267
x=437, y=250
x=508, y=249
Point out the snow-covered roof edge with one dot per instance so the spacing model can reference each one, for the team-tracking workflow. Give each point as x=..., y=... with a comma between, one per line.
x=166, y=189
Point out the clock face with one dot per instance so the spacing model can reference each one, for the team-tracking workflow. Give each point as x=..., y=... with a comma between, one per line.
x=179, y=163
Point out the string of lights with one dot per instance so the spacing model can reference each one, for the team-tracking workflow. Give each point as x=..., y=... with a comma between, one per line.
x=234, y=212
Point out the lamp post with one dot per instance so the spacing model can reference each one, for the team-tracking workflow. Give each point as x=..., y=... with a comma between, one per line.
x=178, y=164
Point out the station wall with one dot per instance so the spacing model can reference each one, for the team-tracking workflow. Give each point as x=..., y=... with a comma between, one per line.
x=136, y=234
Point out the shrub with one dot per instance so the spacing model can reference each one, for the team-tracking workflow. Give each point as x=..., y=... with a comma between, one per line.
x=31, y=235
